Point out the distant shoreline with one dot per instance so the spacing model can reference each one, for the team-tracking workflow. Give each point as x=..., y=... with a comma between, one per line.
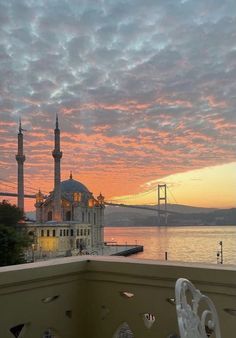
x=169, y=225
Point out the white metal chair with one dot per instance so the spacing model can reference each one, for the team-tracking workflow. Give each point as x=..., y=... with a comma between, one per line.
x=196, y=313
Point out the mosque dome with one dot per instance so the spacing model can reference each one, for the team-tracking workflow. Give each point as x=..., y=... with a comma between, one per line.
x=71, y=186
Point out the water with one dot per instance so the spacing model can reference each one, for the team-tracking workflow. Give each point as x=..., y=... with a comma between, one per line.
x=186, y=243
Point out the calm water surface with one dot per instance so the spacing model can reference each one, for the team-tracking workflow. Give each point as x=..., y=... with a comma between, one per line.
x=186, y=243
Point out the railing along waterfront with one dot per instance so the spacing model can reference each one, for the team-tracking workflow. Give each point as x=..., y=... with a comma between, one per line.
x=101, y=297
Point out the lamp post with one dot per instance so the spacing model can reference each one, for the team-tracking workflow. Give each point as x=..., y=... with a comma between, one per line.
x=219, y=254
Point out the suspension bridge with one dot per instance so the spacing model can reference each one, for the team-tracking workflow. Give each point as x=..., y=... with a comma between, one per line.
x=160, y=206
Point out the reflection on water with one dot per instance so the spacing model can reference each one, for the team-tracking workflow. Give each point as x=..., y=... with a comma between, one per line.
x=187, y=243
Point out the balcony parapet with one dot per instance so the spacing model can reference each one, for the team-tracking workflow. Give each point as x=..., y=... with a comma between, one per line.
x=92, y=296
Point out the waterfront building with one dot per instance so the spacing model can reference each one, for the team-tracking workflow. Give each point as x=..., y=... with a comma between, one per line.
x=69, y=219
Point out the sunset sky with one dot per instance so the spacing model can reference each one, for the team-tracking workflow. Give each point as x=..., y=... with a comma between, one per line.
x=145, y=91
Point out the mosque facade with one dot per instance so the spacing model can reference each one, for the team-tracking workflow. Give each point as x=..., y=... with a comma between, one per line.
x=69, y=219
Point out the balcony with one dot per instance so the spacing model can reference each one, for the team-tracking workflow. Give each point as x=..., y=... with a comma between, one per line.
x=92, y=297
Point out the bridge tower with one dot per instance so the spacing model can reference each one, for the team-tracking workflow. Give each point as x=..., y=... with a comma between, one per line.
x=162, y=197
x=20, y=158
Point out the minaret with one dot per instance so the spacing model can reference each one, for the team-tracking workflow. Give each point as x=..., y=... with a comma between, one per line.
x=57, y=155
x=20, y=158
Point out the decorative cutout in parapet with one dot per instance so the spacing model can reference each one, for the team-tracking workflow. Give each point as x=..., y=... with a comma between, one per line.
x=171, y=300
x=123, y=331
x=126, y=294
x=49, y=299
x=104, y=312
x=149, y=319
x=230, y=311
x=50, y=333
x=18, y=330
x=68, y=313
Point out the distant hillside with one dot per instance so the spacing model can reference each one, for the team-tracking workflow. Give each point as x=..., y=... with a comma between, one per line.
x=123, y=216
x=187, y=215
x=31, y=215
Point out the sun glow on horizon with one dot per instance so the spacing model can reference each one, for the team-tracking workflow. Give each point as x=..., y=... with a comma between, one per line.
x=212, y=187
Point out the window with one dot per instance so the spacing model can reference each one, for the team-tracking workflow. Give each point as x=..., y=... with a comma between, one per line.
x=82, y=216
x=53, y=232
x=67, y=232
x=64, y=232
x=68, y=216
x=89, y=217
x=42, y=233
x=94, y=218
x=61, y=232
x=85, y=232
x=71, y=232
x=81, y=232
x=50, y=216
x=77, y=232
x=88, y=232
x=48, y=233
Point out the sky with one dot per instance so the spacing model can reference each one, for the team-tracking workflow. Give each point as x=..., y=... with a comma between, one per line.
x=145, y=91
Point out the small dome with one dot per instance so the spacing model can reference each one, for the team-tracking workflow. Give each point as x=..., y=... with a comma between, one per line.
x=70, y=186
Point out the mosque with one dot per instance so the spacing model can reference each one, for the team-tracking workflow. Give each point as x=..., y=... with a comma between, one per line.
x=69, y=219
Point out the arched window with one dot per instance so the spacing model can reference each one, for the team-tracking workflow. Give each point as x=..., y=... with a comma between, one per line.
x=68, y=215
x=50, y=216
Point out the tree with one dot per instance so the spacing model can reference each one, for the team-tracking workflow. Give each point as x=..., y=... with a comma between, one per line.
x=10, y=215
x=13, y=239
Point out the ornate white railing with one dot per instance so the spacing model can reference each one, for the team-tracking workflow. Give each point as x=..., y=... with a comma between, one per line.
x=197, y=315
x=112, y=297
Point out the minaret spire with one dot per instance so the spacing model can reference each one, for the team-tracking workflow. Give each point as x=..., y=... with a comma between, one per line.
x=57, y=155
x=57, y=124
x=20, y=128
x=20, y=158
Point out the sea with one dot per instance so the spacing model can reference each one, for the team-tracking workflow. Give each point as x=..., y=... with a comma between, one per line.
x=180, y=243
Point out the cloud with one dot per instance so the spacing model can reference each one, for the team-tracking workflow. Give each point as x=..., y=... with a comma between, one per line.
x=143, y=89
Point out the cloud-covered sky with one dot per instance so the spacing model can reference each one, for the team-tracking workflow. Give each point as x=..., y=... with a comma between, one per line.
x=143, y=88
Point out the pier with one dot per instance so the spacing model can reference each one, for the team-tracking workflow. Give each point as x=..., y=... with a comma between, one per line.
x=124, y=250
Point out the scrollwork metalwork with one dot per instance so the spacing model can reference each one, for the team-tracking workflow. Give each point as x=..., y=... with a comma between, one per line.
x=197, y=316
